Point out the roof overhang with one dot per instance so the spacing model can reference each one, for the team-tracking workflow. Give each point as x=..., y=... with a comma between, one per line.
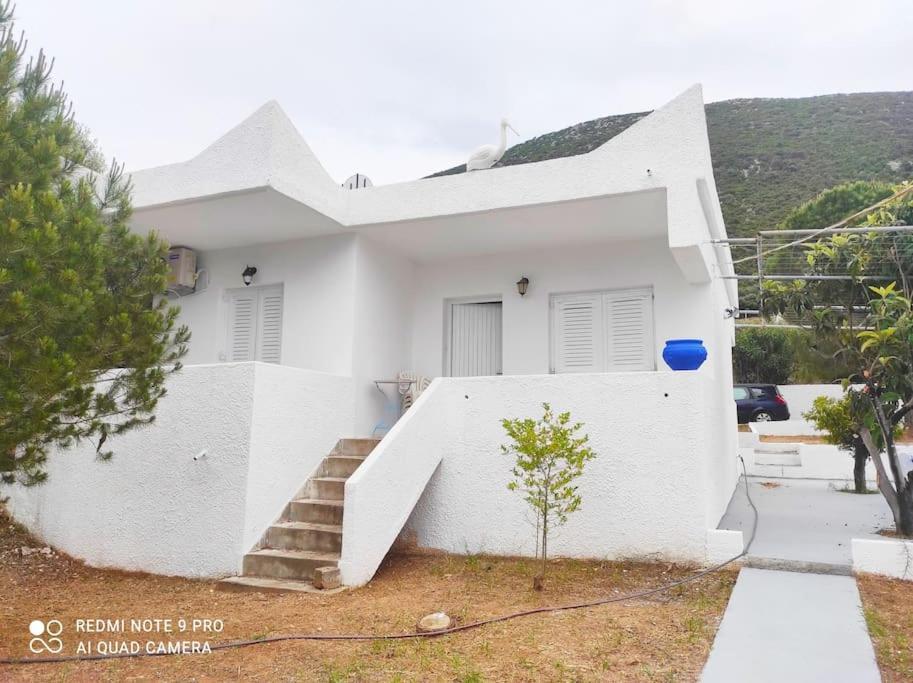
x=234, y=219
x=619, y=217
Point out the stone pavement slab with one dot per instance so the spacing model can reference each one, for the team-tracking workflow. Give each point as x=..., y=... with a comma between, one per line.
x=787, y=627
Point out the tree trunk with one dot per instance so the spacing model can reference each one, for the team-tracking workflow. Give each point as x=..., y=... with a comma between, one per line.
x=860, y=455
x=904, y=519
x=539, y=581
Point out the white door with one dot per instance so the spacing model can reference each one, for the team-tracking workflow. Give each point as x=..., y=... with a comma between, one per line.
x=606, y=331
x=475, y=339
x=255, y=324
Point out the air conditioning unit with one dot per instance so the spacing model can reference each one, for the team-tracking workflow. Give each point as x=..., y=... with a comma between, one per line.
x=182, y=277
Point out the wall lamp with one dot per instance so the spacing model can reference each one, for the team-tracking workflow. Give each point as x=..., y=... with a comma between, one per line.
x=522, y=285
x=248, y=275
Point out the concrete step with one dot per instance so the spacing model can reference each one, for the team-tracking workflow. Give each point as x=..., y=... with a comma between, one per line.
x=305, y=536
x=340, y=465
x=297, y=565
x=774, y=447
x=259, y=583
x=315, y=510
x=355, y=446
x=797, y=566
x=780, y=458
x=327, y=488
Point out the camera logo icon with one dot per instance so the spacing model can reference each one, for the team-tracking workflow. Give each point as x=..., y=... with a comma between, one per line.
x=46, y=636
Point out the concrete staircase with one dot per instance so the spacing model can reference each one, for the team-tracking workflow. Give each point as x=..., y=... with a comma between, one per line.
x=308, y=535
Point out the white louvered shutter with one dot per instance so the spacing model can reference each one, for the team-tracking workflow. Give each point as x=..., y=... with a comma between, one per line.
x=603, y=331
x=255, y=324
x=578, y=333
x=269, y=342
x=629, y=330
x=242, y=325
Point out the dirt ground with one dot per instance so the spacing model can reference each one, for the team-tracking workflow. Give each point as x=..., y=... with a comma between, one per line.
x=887, y=605
x=905, y=438
x=664, y=638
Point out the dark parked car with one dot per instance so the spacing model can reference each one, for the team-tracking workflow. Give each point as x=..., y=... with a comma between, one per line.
x=759, y=403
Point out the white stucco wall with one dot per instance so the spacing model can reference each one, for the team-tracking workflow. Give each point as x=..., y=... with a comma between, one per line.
x=382, y=343
x=298, y=416
x=643, y=496
x=318, y=278
x=618, y=265
x=681, y=310
x=154, y=508
x=347, y=310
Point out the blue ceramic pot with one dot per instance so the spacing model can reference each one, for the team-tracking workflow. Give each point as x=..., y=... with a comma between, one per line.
x=684, y=354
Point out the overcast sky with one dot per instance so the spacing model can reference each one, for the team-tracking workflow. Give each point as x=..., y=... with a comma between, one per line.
x=398, y=90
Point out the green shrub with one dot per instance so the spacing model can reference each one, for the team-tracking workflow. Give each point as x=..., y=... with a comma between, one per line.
x=763, y=354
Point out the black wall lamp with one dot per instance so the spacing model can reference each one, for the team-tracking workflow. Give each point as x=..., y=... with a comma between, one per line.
x=522, y=285
x=248, y=275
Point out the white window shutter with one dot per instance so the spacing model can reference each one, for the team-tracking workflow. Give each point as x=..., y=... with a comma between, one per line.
x=270, y=332
x=242, y=326
x=629, y=328
x=579, y=333
x=255, y=324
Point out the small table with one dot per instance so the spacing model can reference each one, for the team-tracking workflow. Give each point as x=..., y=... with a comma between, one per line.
x=393, y=401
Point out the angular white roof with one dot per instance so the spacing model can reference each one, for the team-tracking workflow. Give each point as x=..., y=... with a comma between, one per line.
x=262, y=183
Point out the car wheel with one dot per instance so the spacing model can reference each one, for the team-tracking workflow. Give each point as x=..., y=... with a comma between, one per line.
x=762, y=416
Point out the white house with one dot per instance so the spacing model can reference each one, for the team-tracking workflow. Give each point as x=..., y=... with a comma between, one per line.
x=356, y=285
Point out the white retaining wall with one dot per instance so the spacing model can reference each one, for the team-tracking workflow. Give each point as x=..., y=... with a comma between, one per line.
x=645, y=495
x=154, y=508
x=890, y=557
x=800, y=397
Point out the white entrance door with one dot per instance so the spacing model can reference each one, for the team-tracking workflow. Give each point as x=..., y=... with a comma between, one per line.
x=607, y=331
x=475, y=339
x=255, y=324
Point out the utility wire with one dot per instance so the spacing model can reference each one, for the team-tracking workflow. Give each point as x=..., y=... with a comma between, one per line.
x=897, y=195
x=234, y=644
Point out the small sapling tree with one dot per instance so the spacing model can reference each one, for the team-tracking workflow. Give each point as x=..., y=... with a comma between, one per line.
x=550, y=455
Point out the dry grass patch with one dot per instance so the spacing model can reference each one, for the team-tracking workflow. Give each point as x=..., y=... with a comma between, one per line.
x=666, y=638
x=887, y=604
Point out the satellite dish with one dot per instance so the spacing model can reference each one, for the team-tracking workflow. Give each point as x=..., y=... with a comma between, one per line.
x=357, y=181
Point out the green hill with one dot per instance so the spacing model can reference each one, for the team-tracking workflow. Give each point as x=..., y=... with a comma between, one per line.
x=770, y=155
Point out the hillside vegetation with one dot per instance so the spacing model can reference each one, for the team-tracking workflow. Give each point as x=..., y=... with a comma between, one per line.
x=770, y=155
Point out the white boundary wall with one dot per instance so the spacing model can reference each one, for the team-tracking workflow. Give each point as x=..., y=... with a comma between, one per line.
x=154, y=508
x=799, y=397
x=814, y=461
x=889, y=557
x=644, y=496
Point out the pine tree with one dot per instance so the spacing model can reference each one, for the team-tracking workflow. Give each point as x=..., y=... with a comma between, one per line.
x=86, y=338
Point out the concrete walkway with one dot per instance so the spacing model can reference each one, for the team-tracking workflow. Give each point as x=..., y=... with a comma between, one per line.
x=787, y=627
x=805, y=521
